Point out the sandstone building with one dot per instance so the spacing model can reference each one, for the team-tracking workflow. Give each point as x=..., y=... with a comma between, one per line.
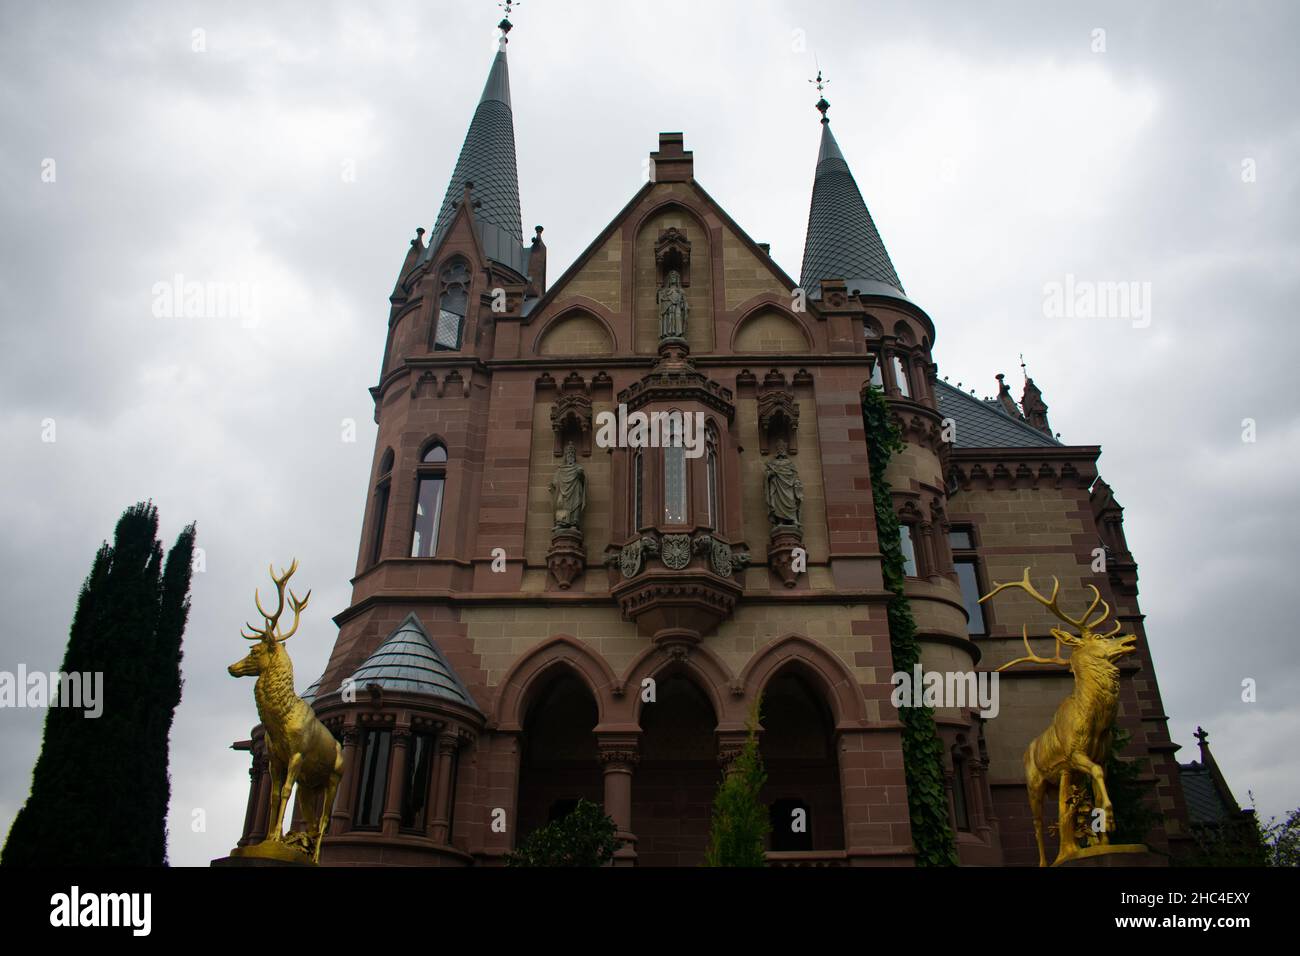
x=500, y=653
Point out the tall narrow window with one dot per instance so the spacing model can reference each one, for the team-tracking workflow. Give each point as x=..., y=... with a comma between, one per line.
x=877, y=379
x=415, y=791
x=965, y=562
x=428, y=502
x=674, y=472
x=711, y=470
x=452, y=307
x=374, y=779
x=909, y=549
x=381, y=505
x=638, y=492
x=959, y=802
x=900, y=378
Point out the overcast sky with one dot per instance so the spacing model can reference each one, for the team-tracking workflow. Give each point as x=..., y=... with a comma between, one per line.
x=1000, y=148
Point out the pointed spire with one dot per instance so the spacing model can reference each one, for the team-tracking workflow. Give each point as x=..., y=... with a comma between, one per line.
x=487, y=161
x=842, y=241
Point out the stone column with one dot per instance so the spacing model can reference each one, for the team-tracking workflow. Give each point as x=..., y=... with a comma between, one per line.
x=262, y=823
x=619, y=757
x=730, y=743
x=396, y=781
x=978, y=794
x=256, y=773
x=341, y=815
x=439, y=828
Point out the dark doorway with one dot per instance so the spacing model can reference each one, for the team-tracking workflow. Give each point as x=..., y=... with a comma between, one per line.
x=557, y=764
x=803, y=779
x=673, y=788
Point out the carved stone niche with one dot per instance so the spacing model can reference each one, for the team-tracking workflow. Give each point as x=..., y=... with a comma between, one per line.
x=778, y=415
x=673, y=251
x=571, y=417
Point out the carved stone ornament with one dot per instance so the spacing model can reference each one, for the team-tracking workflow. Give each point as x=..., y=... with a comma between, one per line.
x=676, y=551
x=630, y=558
x=720, y=559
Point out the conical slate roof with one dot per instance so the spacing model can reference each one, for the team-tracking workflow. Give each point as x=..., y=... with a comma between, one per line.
x=310, y=693
x=410, y=663
x=843, y=242
x=487, y=159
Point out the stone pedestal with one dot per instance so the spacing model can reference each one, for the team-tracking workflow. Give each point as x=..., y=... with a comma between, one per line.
x=780, y=553
x=567, y=558
x=266, y=853
x=1114, y=854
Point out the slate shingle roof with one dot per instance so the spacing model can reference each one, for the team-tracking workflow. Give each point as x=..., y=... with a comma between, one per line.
x=487, y=159
x=409, y=662
x=982, y=424
x=1204, y=805
x=843, y=241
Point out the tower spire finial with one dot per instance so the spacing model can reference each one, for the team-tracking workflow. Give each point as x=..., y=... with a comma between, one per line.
x=822, y=103
x=505, y=26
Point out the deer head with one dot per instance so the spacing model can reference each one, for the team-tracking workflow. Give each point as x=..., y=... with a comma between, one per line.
x=262, y=655
x=1087, y=646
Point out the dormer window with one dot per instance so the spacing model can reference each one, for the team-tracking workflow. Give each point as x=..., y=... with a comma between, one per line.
x=453, y=305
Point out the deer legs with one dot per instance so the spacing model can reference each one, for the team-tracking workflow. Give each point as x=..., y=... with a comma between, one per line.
x=280, y=796
x=1101, y=799
x=1036, y=785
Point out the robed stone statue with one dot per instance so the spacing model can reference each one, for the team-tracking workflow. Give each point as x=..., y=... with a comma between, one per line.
x=783, y=489
x=673, y=308
x=569, y=490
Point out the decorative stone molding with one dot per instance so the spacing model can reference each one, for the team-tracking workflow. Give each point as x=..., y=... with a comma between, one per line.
x=1006, y=468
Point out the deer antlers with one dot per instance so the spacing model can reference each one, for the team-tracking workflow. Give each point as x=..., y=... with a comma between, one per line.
x=1082, y=622
x=269, y=632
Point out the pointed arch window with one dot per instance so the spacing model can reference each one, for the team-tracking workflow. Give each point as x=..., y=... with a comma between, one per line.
x=711, y=474
x=453, y=305
x=428, y=501
x=674, y=452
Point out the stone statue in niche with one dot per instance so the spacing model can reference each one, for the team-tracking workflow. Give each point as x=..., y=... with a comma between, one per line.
x=673, y=308
x=782, y=489
x=569, y=490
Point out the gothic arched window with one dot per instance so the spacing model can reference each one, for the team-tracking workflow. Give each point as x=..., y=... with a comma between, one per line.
x=453, y=305
x=674, y=452
x=638, y=491
x=428, y=501
x=382, y=493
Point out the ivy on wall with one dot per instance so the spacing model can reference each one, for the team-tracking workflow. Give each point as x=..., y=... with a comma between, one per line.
x=927, y=797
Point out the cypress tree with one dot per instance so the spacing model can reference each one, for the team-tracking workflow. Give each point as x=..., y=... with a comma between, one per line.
x=100, y=788
x=740, y=820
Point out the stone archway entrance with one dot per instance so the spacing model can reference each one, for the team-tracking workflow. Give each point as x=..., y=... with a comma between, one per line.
x=678, y=774
x=558, y=758
x=803, y=780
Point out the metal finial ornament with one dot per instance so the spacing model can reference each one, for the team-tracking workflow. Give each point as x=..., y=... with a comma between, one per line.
x=1023, y=371
x=505, y=26
x=822, y=103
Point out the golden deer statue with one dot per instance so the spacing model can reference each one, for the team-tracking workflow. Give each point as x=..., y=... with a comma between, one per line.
x=299, y=748
x=1079, y=736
